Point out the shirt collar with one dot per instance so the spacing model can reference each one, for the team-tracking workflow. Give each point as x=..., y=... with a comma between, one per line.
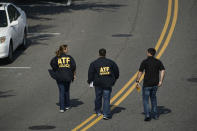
x=102, y=57
x=150, y=57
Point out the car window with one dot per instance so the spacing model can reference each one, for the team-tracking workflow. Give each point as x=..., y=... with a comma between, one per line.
x=13, y=13
x=3, y=18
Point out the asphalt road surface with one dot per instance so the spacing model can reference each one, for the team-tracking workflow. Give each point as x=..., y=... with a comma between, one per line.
x=126, y=28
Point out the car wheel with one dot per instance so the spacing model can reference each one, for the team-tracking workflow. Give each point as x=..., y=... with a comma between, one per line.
x=10, y=54
x=24, y=44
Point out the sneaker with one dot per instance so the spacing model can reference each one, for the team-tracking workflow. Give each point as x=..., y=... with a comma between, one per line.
x=105, y=118
x=61, y=111
x=68, y=3
x=67, y=108
x=99, y=114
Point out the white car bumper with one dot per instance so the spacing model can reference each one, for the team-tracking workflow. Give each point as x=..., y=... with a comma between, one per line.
x=4, y=49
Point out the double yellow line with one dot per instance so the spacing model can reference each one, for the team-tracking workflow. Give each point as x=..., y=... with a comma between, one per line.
x=161, y=38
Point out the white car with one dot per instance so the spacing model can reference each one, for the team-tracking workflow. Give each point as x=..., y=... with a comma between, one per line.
x=13, y=29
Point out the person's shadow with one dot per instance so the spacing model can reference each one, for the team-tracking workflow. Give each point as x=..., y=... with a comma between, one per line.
x=162, y=110
x=73, y=103
x=116, y=110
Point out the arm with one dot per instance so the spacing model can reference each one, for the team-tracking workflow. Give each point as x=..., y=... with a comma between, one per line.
x=138, y=80
x=54, y=64
x=116, y=71
x=75, y=76
x=139, y=76
x=162, y=74
x=73, y=65
x=140, y=72
x=91, y=73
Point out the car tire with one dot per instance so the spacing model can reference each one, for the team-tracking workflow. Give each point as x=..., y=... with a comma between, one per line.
x=10, y=54
x=24, y=43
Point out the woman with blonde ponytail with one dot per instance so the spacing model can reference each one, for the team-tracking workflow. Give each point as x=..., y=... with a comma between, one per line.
x=64, y=68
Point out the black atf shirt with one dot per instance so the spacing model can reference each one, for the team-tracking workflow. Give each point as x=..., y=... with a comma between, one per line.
x=103, y=72
x=152, y=67
x=63, y=67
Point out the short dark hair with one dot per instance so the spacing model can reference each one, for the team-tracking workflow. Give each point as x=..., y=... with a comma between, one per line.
x=152, y=51
x=102, y=52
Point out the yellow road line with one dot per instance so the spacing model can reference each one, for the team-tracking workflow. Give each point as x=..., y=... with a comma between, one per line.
x=135, y=75
x=114, y=106
x=158, y=56
x=171, y=30
x=124, y=88
x=160, y=53
x=112, y=99
x=165, y=26
x=85, y=122
x=92, y=123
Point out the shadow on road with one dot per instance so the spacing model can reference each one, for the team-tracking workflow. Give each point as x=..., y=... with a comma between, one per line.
x=35, y=38
x=42, y=127
x=117, y=110
x=43, y=10
x=192, y=79
x=74, y=103
x=5, y=94
x=97, y=6
x=122, y=35
x=36, y=9
x=17, y=53
x=162, y=110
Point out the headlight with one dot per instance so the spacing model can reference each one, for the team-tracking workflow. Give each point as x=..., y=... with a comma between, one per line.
x=2, y=39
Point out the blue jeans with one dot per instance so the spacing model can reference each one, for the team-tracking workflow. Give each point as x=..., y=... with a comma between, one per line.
x=105, y=94
x=64, y=94
x=150, y=92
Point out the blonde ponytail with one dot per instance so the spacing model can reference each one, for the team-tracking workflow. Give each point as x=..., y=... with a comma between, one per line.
x=61, y=50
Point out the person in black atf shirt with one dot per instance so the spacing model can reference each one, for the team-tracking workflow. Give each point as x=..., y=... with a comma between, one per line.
x=153, y=67
x=64, y=68
x=103, y=74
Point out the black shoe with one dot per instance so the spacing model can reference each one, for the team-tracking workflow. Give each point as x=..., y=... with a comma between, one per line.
x=106, y=118
x=147, y=119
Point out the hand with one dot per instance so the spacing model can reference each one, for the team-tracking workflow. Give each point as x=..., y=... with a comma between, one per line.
x=160, y=84
x=75, y=77
x=137, y=85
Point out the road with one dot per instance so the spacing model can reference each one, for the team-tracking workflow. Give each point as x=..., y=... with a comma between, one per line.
x=126, y=28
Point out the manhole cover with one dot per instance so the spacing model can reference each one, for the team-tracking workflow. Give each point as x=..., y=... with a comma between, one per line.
x=192, y=79
x=42, y=127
